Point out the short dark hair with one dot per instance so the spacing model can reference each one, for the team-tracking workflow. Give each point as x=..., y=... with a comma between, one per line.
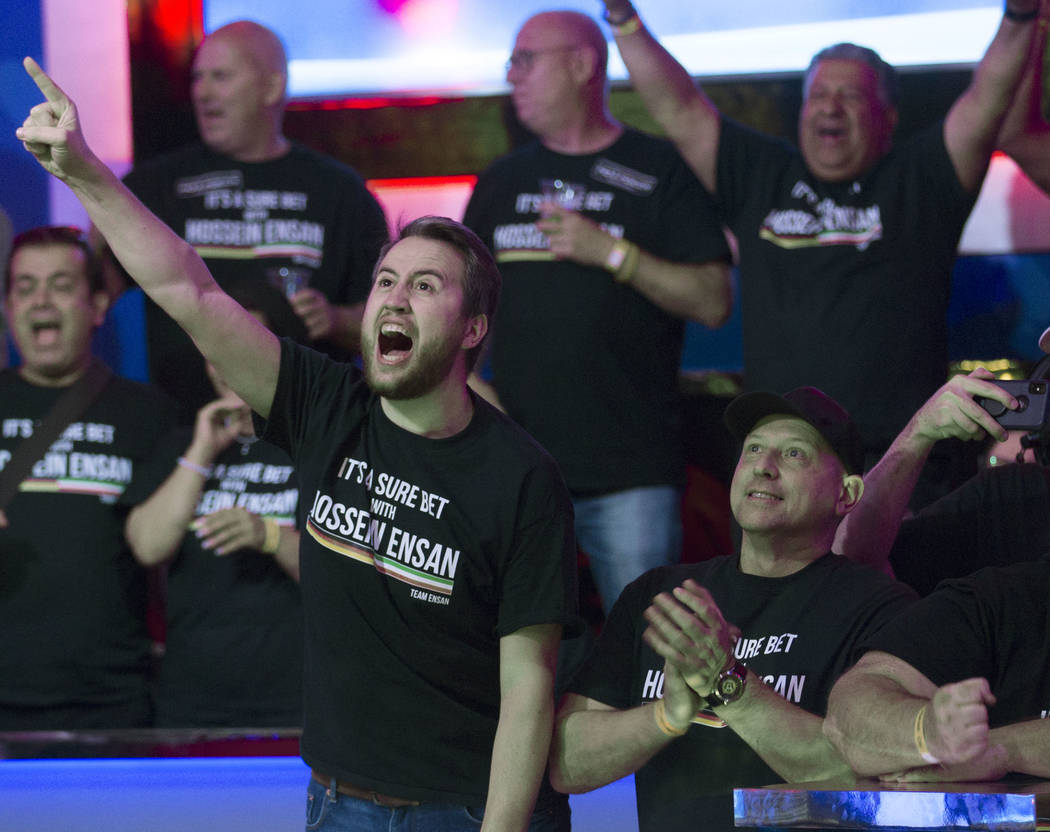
x=889, y=84
x=57, y=235
x=481, y=278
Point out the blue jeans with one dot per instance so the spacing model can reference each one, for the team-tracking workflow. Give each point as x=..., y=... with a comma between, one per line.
x=332, y=812
x=627, y=533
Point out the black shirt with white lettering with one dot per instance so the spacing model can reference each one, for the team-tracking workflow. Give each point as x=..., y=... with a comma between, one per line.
x=303, y=213
x=799, y=633
x=72, y=598
x=418, y=555
x=844, y=285
x=585, y=364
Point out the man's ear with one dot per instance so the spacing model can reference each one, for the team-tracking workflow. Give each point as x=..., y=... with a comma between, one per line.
x=276, y=82
x=100, y=303
x=477, y=327
x=584, y=64
x=852, y=490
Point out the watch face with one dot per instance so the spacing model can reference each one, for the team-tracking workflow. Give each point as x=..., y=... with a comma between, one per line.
x=730, y=687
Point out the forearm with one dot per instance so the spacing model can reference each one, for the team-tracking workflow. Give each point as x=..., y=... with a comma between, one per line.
x=519, y=756
x=867, y=533
x=1027, y=746
x=789, y=739
x=156, y=527
x=672, y=97
x=973, y=124
x=871, y=721
x=287, y=554
x=695, y=292
x=595, y=746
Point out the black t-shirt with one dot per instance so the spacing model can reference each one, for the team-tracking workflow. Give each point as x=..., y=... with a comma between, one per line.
x=799, y=633
x=844, y=286
x=234, y=623
x=417, y=556
x=587, y=365
x=303, y=212
x=994, y=624
x=72, y=597
x=999, y=517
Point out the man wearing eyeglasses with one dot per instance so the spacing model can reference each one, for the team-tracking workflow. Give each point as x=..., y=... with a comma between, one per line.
x=599, y=275
x=74, y=649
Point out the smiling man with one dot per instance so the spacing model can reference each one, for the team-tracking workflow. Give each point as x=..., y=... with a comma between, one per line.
x=847, y=232
x=437, y=558
x=715, y=675
x=258, y=206
x=74, y=649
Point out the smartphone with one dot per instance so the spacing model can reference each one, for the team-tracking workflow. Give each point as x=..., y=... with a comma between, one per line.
x=1031, y=413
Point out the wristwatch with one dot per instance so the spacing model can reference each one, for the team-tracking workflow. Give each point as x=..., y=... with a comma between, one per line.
x=729, y=687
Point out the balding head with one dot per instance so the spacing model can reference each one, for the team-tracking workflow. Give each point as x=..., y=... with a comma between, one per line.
x=258, y=44
x=239, y=88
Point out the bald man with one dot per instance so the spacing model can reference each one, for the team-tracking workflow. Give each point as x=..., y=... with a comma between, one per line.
x=258, y=206
x=597, y=289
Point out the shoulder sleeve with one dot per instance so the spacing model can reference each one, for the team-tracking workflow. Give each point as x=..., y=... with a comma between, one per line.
x=370, y=234
x=606, y=675
x=149, y=182
x=538, y=580
x=687, y=201
x=944, y=636
x=313, y=393
x=158, y=438
x=747, y=160
x=477, y=216
x=924, y=164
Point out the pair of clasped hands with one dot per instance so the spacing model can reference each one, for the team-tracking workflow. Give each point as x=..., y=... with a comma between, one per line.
x=687, y=629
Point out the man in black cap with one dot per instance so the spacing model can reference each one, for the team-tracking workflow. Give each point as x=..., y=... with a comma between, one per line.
x=750, y=643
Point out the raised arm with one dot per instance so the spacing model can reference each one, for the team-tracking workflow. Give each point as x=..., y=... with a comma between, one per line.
x=885, y=716
x=679, y=106
x=527, y=660
x=166, y=267
x=972, y=127
x=867, y=533
x=1025, y=133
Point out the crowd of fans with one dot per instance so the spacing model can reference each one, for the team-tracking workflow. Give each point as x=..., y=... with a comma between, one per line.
x=326, y=516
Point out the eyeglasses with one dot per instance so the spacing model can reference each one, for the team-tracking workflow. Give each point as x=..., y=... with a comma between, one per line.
x=523, y=59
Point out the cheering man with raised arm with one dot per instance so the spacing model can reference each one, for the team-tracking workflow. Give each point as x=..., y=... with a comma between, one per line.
x=437, y=551
x=848, y=231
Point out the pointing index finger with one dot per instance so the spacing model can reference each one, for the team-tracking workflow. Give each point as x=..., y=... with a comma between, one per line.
x=52, y=92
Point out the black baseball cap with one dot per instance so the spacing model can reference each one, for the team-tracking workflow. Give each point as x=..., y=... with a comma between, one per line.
x=809, y=404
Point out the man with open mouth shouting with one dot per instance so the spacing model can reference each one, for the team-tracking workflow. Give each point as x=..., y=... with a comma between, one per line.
x=437, y=556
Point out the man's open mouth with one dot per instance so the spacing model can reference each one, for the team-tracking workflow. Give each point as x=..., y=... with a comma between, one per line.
x=394, y=342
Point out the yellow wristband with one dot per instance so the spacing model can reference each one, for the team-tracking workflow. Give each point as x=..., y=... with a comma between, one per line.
x=272, y=538
x=663, y=723
x=628, y=27
x=919, y=730
x=630, y=264
x=617, y=255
